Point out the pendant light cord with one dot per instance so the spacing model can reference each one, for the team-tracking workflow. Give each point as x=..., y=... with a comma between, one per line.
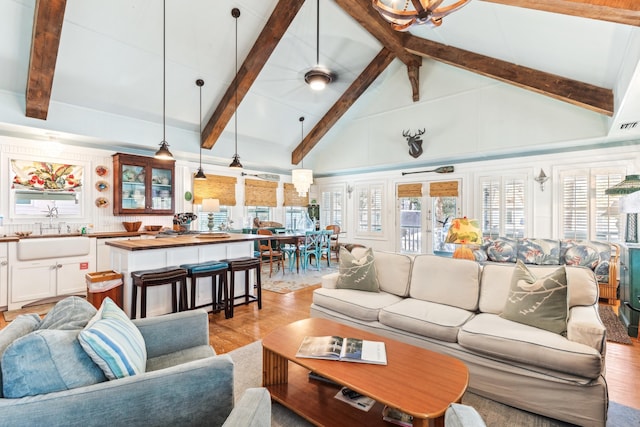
x=235, y=116
x=302, y=139
x=200, y=136
x=318, y=34
x=164, y=66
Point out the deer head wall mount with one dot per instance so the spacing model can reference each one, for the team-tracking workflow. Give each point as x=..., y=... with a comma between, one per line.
x=415, y=143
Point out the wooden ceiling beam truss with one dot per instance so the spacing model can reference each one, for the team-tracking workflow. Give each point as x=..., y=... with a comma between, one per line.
x=357, y=88
x=274, y=29
x=45, y=39
x=619, y=11
x=584, y=95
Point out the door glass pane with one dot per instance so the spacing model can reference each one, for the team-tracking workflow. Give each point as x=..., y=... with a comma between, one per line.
x=444, y=211
x=410, y=224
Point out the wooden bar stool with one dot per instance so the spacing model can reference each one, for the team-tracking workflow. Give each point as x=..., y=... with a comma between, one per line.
x=245, y=264
x=156, y=277
x=217, y=270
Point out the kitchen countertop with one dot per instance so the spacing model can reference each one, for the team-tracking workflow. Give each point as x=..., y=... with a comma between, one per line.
x=179, y=241
x=99, y=235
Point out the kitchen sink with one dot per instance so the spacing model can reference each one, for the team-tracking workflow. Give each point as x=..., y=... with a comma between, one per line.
x=42, y=248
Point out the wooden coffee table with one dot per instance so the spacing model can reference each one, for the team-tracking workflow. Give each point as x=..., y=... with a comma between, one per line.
x=416, y=381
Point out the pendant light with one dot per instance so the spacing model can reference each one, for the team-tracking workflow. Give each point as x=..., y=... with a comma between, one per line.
x=318, y=77
x=235, y=163
x=163, y=152
x=302, y=178
x=200, y=174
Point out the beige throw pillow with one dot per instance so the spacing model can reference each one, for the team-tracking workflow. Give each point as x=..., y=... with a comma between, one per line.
x=539, y=302
x=357, y=273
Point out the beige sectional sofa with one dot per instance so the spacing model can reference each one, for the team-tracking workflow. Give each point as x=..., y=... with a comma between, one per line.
x=453, y=307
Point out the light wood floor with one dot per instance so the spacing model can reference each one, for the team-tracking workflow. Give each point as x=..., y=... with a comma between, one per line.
x=250, y=324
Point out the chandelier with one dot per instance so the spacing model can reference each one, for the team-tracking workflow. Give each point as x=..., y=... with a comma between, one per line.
x=302, y=178
x=415, y=12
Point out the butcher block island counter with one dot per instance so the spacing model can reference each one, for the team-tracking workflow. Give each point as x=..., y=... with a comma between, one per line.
x=133, y=255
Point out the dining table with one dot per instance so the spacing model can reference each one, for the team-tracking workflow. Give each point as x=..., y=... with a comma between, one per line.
x=295, y=238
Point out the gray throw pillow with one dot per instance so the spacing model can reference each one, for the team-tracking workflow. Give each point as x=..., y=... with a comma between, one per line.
x=539, y=302
x=69, y=313
x=45, y=361
x=357, y=273
x=21, y=326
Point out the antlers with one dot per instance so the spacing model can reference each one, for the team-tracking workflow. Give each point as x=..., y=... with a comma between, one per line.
x=406, y=133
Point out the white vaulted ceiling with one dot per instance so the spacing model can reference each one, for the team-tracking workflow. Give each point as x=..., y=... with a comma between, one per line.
x=107, y=87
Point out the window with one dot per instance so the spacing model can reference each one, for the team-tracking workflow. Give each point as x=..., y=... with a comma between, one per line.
x=261, y=212
x=586, y=211
x=294, y=215
x=220, y=219
x=40, y=189
x=331, y=207
x=503, y=206
x=369, y=209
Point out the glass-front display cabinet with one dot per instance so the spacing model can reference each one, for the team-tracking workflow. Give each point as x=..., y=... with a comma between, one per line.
x=143, y=185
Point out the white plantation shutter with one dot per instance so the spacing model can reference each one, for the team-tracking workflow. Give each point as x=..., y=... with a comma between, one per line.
x=587, y=212
x=331, y=210
x=503, y=206
x=369, y=209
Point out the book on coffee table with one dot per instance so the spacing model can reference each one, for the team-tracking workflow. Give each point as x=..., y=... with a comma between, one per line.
x=343, y=349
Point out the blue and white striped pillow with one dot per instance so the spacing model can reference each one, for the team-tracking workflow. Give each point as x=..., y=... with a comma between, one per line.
x=114, y=343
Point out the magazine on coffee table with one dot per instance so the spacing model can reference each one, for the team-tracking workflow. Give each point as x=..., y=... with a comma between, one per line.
x=343, y=349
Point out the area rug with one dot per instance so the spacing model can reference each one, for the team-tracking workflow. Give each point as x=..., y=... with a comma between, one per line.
x=292, y=281
x=616, y=331
x=248, y=373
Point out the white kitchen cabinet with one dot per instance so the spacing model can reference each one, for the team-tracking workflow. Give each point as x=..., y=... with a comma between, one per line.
x=4, y=275
x=31, y=280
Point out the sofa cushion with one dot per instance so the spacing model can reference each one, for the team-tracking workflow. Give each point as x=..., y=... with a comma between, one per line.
x=425, y=318
x=114, y=343
x=394, y=272
x=454, y=282
x=496, y=280
x=357, y=273
x=45, y=361
x=69, y=313
x=587, y=253
x=357, y=304
x=180, y=357
x=503, y=339
x=538, y=301
x=539, y=251
x=502, y=249
x=21, y=326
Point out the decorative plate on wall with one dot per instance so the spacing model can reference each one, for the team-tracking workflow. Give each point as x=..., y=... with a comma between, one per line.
x=102, y=170
x=102, y=186
x=101, y=202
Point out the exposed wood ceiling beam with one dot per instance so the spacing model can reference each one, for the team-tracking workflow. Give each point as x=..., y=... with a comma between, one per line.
x=357, y=88
x=274, y=29
x=620, y=11
x=370, y=20
x=574, y=92
x=45, y=40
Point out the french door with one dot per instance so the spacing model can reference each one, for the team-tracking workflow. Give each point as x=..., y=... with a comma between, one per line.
x=424, y=212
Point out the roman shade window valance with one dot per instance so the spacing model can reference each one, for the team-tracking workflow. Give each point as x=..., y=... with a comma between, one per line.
x=292, y=197
x=260, y=193
x=409, y=190
x=443, y=189
x=218, y=187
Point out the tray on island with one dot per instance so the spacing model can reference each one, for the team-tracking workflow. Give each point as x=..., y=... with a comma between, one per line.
x=213, y=235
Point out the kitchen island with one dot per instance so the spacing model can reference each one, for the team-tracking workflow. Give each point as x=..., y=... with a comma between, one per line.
x=133, y=255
